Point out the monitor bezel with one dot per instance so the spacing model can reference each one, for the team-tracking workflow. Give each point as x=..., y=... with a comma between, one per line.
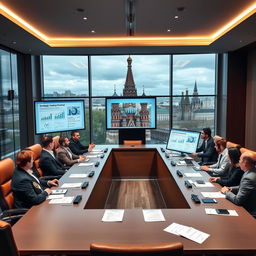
x=132, y=97
x=183, y=130
x=58, y=101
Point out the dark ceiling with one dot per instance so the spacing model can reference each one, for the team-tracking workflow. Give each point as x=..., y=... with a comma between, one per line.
x=126, y=18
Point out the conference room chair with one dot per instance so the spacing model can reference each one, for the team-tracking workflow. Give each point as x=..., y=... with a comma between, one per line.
x=7, y=245
x=132, y=142
x=6, y=196
x=172, y=249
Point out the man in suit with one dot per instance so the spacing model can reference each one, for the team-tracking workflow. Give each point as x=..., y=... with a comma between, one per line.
x=245, y=193
x=222, y=166
x=27, y=189
x=65, y=155
x=48, y=163
x=206, y=151
x=76, y=147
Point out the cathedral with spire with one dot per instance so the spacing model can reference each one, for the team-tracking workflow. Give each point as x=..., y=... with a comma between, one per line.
x=129, y=115
x=187, y=107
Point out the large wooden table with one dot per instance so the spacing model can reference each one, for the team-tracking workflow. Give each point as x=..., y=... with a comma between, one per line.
x=70, y=229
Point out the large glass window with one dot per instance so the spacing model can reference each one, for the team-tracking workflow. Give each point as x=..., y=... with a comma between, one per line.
x=186, y=101
x=9, y=105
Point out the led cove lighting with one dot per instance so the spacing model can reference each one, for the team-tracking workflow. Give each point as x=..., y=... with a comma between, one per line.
x=126, y=41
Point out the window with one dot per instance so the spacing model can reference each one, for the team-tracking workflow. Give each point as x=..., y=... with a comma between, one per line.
x=9, y=106
x=193, y=76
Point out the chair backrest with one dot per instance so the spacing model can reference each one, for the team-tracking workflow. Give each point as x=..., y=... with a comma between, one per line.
x=231, y=144
x=132, y=142
x=6, y=172
x=7, y=245
x=55, y=143
x=36, y=149
x=137, y=249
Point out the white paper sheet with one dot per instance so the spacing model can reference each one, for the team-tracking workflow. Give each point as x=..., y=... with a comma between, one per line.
x=72, y=185
x=96, y=151
x=192, y=174
x=78, y=175
x=55, y=196
x=213, y=194
x=205, y=185
x=59, y=191
x=85, y=164
x=153, y=215
x=187, y=232
x=113, y=216
x=92, y=156
x=213, y=211
x=64, y=200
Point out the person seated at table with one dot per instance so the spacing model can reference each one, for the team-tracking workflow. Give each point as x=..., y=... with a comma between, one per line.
x=221, y=167
x=206, y=151
x=75, y=145
x=27, y=189
x=48, y=163
x=65, y=155
x=234, y=171
x=245, y=193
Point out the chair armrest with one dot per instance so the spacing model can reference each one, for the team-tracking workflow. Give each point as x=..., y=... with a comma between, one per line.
x=50, y=177
x=12, y=215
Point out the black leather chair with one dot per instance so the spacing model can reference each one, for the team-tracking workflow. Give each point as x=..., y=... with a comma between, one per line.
x=171, y=249
x=7, y=244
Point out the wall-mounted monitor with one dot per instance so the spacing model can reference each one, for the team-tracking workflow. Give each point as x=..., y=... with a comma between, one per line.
x=131, y=113
x=183, y=141
x=59, y=116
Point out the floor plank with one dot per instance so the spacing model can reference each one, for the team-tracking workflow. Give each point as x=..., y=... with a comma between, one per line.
x=135, y=193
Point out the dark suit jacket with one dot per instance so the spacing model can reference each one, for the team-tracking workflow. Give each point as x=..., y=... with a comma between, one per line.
x=64, y=156
x=233, y=178
x=26, y=189
x=245, y=193
x=77, y=148
x=49, y=165
x=209, y=153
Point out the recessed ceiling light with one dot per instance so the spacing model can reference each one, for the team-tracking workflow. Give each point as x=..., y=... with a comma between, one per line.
x=84, y=18
x=168, y=30
x=14, y=42
x=176, y=17
x=93, y=31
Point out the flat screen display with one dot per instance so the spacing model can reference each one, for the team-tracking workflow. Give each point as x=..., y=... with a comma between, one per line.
x=131, y=113
x=59, y=116
x=183, y=141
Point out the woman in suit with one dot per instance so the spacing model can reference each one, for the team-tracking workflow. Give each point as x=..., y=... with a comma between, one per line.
x=235, y=173
x=27, y=189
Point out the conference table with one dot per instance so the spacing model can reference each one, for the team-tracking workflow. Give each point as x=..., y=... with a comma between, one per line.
x=70, y=229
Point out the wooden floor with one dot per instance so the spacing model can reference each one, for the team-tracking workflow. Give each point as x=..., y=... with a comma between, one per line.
x=135, y=193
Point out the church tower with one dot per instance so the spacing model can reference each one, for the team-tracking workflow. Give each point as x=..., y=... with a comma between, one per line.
x=129, y=86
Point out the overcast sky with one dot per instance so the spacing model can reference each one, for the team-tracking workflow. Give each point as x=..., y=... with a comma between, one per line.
x=151, y=71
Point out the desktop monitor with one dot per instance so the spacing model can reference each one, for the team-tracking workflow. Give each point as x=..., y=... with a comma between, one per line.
x=59, y=116
x=183, y=141
x=131, y=113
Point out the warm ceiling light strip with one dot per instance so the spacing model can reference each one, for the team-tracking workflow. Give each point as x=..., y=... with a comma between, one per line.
x=7, y=13
x=127, y=41
x=236, y=21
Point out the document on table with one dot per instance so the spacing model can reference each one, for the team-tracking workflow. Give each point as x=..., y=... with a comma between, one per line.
x=55, y=196
x=113, y=216
x=187, y=232
x=92, y=156
x=59, y=191
x=214, y=212
x=64, y=200
x=96, y=151
x=192, y=174
x=85, y=164
x=213, y=194
x=78, y=175
x=205, y=185
x=72, y=185
x=153, y=215
x=180, y=163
